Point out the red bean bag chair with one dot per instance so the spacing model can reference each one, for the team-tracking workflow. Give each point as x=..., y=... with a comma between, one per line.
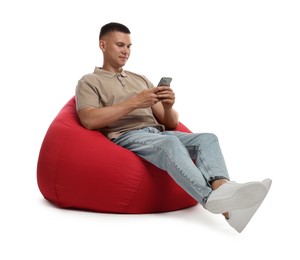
x=82, y=169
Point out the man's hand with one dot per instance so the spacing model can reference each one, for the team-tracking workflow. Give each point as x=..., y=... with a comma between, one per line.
x=147, y=98
x=166, y=96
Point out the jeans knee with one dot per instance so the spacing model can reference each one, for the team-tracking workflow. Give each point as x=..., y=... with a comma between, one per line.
x=208, y=139
x=211, y=136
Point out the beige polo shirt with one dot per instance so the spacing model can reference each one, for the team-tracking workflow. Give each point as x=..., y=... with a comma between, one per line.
x=103, y=88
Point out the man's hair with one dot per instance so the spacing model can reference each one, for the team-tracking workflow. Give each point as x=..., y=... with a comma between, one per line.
x=113, y=27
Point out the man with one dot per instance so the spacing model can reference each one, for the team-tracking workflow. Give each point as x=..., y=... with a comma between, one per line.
x=130, y=111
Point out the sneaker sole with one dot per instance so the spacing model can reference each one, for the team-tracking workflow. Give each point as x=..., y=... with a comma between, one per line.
x=245, y=197
x=239, y=219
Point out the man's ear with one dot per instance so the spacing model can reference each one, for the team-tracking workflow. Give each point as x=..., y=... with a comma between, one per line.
x=102, y=45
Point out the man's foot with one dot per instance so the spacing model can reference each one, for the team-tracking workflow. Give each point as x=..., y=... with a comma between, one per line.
x=239, y=219
x=232, y=196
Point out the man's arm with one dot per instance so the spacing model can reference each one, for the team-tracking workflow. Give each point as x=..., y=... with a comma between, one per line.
x=95, y=118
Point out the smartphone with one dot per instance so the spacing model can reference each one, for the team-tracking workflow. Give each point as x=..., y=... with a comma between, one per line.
x=165, y=81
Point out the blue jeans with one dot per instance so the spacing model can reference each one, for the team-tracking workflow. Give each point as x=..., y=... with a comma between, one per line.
x=193, y=160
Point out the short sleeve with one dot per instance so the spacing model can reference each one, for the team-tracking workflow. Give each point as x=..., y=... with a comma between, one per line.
x=86, y=95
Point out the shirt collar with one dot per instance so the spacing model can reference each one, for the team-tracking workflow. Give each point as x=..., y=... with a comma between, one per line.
x=108, y=74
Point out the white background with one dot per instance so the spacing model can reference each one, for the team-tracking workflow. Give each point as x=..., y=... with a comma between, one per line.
x=235, y=68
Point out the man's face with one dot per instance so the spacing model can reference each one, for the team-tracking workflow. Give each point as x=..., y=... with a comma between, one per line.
x=116, y=48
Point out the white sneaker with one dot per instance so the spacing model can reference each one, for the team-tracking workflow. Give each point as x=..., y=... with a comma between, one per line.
x=239, y=219
x=232, y=196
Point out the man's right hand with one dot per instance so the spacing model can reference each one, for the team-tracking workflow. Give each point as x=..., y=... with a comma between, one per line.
x=146, y=98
